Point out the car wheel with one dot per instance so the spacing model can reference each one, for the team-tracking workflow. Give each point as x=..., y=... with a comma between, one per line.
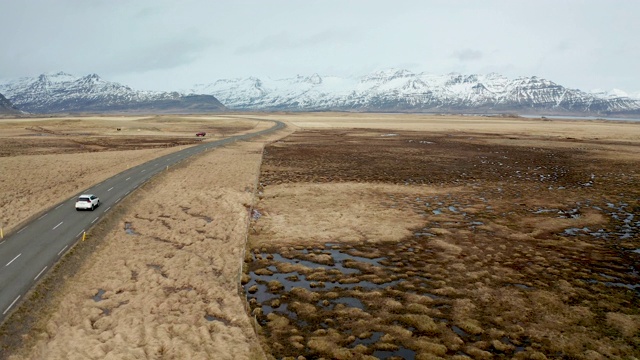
x=92, y=207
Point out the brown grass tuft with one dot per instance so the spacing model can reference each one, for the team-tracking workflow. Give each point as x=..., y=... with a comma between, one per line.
x=627, y=325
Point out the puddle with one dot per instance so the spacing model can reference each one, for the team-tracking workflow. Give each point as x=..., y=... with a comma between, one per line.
x=204, y=217
x=262, y=293
x=569, y=214
x=338, y=257
x=616, y=284
x=350, y=301
x=522, y=286
x=402, y=352
x=295, y=279
x=374, y=338
x=305, y=263
x=465, y=335
x=521, y=348
x=623, y=219
x=344, y=285
x=576, y=231
x=215, y=318
x=608, y=276
x=98, y=297
x=362, y=285
x=129, y=229
x=282, y=309
x=635, y=287
x=353, y=271
x=459, y=331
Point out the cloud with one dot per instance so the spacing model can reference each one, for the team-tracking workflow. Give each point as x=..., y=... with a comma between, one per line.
x=563, y=46
x=468, y=55
x=156, y=55
x=284, y=41
x=583, y=43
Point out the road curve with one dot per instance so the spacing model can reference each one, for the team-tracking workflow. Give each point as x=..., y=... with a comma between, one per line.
x=27, y=254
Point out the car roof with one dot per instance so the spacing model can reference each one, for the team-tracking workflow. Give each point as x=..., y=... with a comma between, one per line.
x=86, y=195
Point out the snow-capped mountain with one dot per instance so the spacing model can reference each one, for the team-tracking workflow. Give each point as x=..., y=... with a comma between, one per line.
x=389, y=90
x=615, y=93
x=6, y=107
x=403, y=91
x=61, y=93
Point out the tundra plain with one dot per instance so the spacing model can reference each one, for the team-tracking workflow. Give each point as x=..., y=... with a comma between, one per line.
x=345, y=236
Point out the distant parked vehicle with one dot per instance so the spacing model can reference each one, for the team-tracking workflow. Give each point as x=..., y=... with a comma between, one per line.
x=201, y=133
x=87, y=202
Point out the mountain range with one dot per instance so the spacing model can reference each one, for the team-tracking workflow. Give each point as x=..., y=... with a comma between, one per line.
x=398, y=90
x=392, y=90
x=64, y=93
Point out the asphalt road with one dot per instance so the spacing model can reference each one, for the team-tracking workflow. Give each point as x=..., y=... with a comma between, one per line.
x=27, y=254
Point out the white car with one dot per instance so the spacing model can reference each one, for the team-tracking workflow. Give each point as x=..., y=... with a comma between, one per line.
x=87, y=202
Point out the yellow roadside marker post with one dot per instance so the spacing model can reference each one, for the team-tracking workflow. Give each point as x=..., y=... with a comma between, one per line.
x=84, y=235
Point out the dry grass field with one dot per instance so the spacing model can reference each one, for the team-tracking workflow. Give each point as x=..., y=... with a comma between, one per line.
x=49, y=160
x=369, y=236
x=156, y=280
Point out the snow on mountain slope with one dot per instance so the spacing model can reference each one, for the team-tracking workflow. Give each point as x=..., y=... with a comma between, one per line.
x=392, y=90
x=62, y=92
x=402, y=90
x=615, y=93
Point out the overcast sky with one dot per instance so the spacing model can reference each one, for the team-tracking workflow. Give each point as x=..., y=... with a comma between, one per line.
x=171, y=45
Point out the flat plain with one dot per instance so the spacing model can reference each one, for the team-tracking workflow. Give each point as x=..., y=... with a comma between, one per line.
x=345, y=236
